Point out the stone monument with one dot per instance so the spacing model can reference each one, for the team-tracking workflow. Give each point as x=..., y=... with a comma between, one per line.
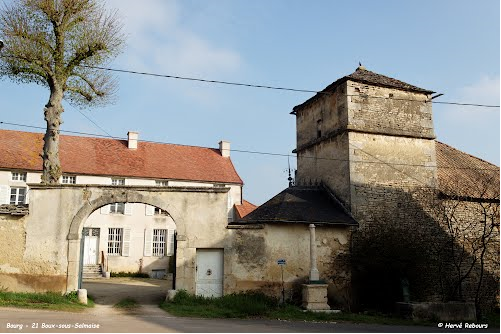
x=315, y=291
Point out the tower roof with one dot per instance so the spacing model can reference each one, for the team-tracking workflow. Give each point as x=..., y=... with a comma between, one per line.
x=363, y=75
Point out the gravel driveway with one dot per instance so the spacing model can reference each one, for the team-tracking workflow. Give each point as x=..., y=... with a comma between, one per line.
x=108, y=292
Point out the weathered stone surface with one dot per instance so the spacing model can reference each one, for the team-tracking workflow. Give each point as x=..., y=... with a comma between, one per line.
x=315, y=297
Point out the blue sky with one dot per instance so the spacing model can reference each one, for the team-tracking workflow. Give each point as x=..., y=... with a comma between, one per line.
x=451, y=47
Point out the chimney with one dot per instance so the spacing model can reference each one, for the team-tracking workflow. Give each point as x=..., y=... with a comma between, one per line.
x=132, y=139
x=224, y=148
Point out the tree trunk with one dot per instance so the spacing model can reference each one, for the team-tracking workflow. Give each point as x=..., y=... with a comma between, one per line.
x=51, y=164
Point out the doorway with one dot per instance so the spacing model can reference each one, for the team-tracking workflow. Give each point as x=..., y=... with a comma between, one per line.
x=91, y=246
x=210, y=273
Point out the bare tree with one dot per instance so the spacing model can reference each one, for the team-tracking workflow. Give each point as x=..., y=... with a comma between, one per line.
x=59, y=44
x=470, y=217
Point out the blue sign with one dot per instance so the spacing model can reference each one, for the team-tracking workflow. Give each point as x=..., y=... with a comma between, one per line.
x=281, y=262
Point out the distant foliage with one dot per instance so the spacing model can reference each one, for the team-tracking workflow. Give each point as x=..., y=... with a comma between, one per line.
x=129, y=274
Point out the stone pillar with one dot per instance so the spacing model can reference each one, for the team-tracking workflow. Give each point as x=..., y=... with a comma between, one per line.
x=315, y=293
x=82, y=296
x=314, y=275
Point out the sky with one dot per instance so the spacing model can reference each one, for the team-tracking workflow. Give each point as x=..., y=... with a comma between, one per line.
x=448, y=46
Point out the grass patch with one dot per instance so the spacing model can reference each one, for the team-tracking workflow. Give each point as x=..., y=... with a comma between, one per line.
x=127, y=304
x=252, y=305
x=129, y=274
x=229, y=306
x=48, y=300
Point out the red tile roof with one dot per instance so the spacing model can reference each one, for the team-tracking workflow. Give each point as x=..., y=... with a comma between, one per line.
x=462, y=174
x=244, y=209
x=112, y=157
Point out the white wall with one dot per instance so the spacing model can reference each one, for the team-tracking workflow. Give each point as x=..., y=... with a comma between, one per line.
x=34, y=177
x=138, y=222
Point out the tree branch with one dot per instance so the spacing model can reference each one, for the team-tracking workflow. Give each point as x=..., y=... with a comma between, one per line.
x=81, y=92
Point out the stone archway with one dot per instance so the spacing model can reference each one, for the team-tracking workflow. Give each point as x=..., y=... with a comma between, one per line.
x=58, y=213
x=75, y=237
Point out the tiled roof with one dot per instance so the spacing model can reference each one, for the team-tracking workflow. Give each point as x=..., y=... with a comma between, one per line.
x=15, y=210
x=365, y=76
x=244, y=209
x=112, y=157
x=461, y=174
x=301, y=205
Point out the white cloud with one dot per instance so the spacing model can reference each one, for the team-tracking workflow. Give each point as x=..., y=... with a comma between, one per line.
x=484, y=91
x=158, y=42
x=472, y=129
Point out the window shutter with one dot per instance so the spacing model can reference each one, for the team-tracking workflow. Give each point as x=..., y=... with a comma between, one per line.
x=148, y=242
x=170, y=242
x=150, y=210
x=27, y=196
x=105, y=210
x=4, y=194
x=126, y=242
x=128, y=209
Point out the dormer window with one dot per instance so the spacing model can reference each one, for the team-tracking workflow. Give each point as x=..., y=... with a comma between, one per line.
x=319, y=128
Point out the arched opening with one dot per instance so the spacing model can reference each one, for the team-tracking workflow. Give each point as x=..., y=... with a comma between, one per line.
x=139, y=234
x=121, y=238
x=132, y=242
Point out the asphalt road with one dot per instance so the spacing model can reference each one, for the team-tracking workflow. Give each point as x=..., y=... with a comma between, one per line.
x=151, y=319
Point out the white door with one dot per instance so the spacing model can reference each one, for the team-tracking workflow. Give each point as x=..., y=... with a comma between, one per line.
x=90, y=249
x=209, y=272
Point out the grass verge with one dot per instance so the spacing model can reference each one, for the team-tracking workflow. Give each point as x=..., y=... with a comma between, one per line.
x=127, y=304
x=252, y=305
x=48, y=301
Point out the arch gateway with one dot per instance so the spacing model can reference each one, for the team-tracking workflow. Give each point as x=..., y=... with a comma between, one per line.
x=57, y=215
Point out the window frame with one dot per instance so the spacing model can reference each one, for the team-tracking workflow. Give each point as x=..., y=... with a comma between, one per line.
x=115, y=241
x=17, y=195
x=117, y=208
x=69, y=177
x=159, y=212
x=117, y=181
x=161, y=183
x=159, y=242
x=21, y=176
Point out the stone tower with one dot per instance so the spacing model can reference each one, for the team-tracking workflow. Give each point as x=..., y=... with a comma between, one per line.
x=369, y=138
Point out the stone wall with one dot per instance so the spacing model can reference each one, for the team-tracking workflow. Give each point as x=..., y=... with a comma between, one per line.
x=376, y=109
x=469, y=225
x=254, y=254
x=19, y=272
x=326, y=162
x=46, y=255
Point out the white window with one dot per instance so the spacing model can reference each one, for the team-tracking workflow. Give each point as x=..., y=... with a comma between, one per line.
x=16, y=176
x=161, y=183
x=69, y=179
x=115, y=241
x=160, y=212
x=17, y=195
x=118, y=182
x=117, y=208
x=159, y=237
